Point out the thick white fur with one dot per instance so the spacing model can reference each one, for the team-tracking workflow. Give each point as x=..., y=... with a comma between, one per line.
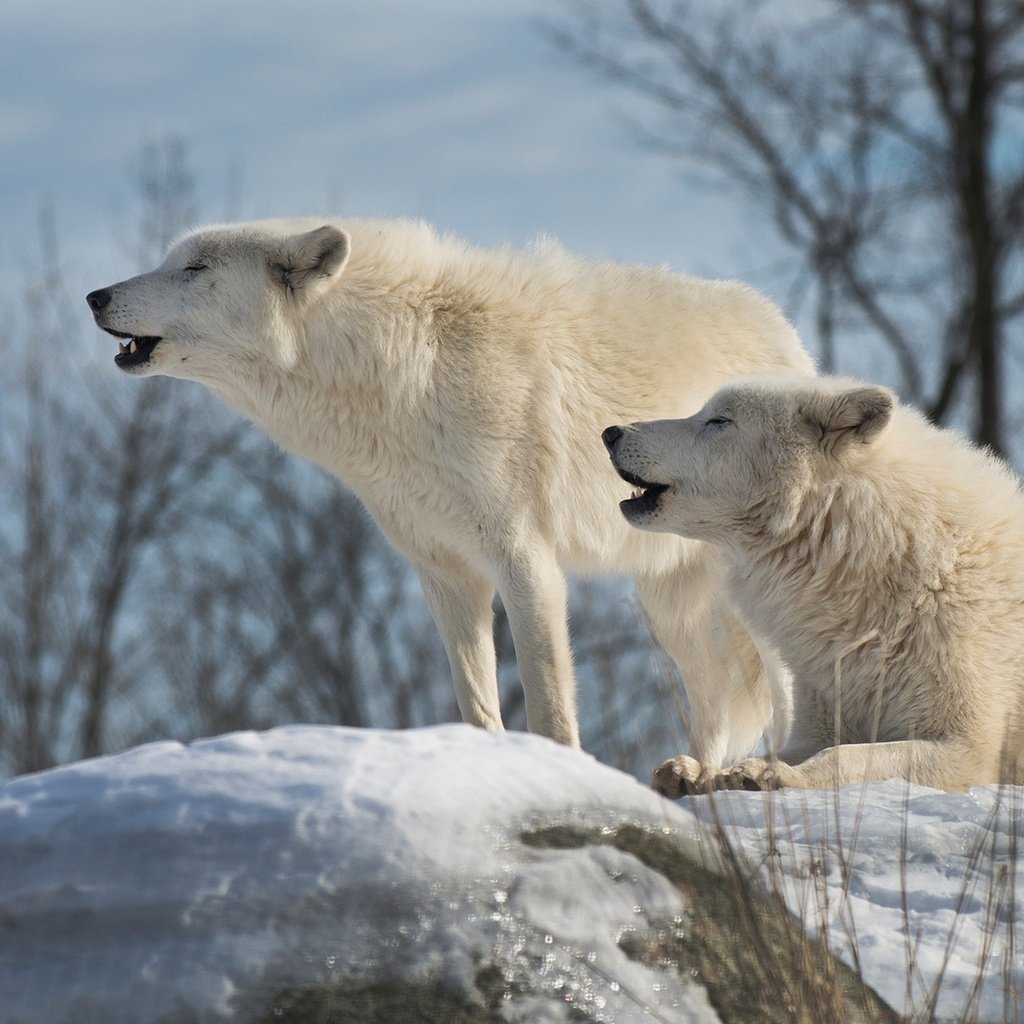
x=462, y=393
x=881, y=556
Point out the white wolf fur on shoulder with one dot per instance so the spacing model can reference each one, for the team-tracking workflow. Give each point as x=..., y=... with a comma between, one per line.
x=461, y=393
x=881, y=556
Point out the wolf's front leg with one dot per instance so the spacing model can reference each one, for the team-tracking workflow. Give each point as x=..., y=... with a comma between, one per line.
x=460, y=598
x=533, y=591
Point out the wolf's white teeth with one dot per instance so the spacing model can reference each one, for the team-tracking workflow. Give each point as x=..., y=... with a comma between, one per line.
x=123, y=348
x=132, y=346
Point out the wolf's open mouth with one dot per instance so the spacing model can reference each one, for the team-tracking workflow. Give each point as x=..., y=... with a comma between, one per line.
x=137, y=350
x=645, y=497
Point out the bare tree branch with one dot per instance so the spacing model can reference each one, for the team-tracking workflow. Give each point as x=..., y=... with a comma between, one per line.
x=868, y=133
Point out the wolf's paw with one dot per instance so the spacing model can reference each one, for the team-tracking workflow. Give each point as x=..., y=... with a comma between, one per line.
x=682, y=776
x=755, y=774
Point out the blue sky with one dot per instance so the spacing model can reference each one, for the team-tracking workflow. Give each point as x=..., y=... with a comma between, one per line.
x=460, y=111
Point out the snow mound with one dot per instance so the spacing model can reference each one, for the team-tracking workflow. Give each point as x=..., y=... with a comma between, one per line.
x=201, y=882
x=235, y=878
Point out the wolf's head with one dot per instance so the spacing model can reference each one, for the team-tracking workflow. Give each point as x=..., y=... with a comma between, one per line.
x=749, y=461
x=222, y=295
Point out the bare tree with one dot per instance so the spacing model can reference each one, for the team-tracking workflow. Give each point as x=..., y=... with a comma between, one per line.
x=882, y=139
x=97, y=488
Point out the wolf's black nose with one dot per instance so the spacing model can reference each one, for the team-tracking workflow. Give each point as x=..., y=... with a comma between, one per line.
x=610, y=435
x=98, y=299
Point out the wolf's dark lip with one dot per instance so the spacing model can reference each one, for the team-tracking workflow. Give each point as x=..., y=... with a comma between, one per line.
x=646, y=500
x=136, y=352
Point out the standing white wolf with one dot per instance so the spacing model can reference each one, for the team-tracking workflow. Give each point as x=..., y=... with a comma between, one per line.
x=461, y=394
x=882, y=556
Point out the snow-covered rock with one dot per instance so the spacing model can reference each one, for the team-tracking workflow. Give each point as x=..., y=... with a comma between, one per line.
x=319, y=874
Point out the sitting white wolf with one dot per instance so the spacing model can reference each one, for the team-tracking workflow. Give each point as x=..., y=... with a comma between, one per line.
x=461, y=393
x=884, y=559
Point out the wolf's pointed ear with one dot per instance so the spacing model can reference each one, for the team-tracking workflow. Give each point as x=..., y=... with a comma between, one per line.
x=853, y=416
x=311, y=258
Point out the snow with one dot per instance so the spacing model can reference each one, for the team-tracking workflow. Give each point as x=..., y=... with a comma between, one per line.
x=197, y=882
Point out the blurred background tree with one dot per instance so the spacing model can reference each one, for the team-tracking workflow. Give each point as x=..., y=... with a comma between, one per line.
x=881, y=140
